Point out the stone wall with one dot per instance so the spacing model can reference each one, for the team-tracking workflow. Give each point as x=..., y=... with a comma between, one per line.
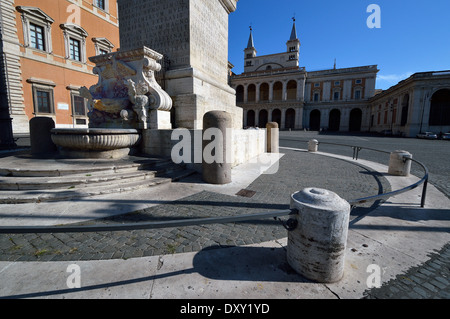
x=12, y=66
x=246, y=145
x=193, y=36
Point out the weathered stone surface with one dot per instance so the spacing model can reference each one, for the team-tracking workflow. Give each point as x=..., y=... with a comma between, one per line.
x=193, y=37
x=313, y=145
x=398, y=165
x=219, y=170
x=95, y=143
x=273, y=137
x=127, y=92
x=316, y=248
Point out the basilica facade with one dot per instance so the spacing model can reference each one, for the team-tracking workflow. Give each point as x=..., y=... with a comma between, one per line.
x=274, y=88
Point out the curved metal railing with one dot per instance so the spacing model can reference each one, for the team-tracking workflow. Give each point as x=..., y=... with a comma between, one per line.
x=423, y=180
x=220, y=220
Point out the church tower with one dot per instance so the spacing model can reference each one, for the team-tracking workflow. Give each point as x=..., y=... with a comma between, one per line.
x=293, y=45
x=249, y=51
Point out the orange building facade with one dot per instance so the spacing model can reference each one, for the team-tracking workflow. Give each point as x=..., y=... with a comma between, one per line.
x=47, y=45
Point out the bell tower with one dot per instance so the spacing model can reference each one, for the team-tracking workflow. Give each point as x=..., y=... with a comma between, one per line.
x=250, y=51
x=293, y=45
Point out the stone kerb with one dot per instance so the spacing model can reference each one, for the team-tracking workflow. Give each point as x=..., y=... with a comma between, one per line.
x=316, y=247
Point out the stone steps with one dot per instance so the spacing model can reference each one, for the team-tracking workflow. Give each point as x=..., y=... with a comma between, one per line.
x=21, y=187
x=65, y=168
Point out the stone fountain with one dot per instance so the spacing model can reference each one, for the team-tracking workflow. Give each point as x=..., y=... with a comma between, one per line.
x=126, y=100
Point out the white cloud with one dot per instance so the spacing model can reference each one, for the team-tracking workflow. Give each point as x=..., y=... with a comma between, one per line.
x=394, y=78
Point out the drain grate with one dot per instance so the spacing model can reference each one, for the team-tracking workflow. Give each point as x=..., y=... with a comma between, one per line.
x=246, y=193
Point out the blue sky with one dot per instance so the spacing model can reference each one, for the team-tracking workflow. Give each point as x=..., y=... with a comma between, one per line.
x=414, y=35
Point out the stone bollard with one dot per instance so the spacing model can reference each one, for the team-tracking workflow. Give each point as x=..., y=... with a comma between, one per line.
x=273, y=137
x=398, y=165
x=313, y=145
x=41, y=136
x=316, y=248
x=217, y=170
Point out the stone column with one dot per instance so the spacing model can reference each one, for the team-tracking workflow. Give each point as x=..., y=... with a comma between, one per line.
x=245, y=118
x=272, y=137
x=283, y=118
x=271, y=91
x=216, y=166
x=298, y=118
x=313, y=145
x=197, y=48
x=245, y=93
x=400, y=163
x=269, y=115
x=316, y=248
x=257, y=118
x=284, y=97
x=324, y=120
x=258, y=92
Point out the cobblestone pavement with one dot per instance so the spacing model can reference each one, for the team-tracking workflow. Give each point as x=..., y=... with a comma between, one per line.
x=298, y=170
x=430, y=280
x=433, y=153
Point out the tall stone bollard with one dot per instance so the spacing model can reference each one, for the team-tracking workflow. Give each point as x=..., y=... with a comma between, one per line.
x=41, y=136
x=273, y=137
x=313, y=145
x=399, y=164
x=216, y=168
x=316, y=248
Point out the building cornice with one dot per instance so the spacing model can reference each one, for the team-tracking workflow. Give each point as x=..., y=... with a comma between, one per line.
x=413, y=80
x=229, y=5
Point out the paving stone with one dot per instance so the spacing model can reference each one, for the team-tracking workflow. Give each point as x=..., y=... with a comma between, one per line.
x=412, y=285
x=429, y=280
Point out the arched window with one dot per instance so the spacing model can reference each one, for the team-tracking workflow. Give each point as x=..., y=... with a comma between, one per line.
x=276, y=117
x=314, y=120
x=278, y=91
x=355, y=120
x=290, y=119
x=440, y=108
x=292, y=90
x=240, y=94
x=251, y=118
x=251, y=93
x=405, y=110
x=263, y=118
x=334, y=122
x=264, y=92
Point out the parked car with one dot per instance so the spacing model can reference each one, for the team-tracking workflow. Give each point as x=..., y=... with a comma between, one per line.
x=446, y=136
x=427, y=135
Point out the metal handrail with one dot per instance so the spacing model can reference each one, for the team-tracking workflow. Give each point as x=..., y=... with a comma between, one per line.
x=216, y=220
x=148, y=225
x=357, y=149
x=424, y=181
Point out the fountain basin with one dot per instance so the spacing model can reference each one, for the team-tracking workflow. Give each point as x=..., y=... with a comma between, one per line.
x=95, y=142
